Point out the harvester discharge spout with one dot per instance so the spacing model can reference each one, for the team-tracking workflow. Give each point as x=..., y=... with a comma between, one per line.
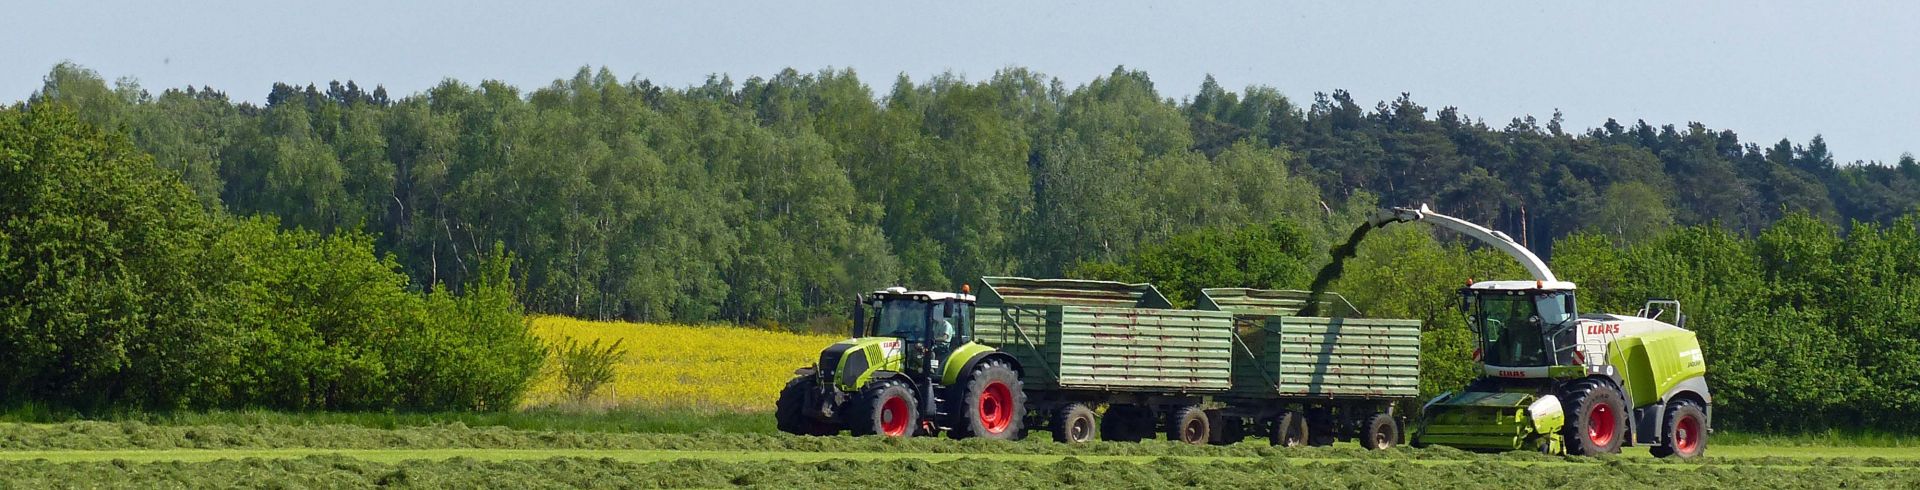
x=1500, y=241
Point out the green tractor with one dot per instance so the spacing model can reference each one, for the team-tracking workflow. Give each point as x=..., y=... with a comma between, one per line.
x=911, y=368
x=1557, y=381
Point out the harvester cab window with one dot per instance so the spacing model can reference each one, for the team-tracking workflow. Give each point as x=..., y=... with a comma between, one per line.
x=1512, y=327
x=1555, y=309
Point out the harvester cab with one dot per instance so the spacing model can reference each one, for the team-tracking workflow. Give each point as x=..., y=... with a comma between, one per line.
x=1555, y=380
x=911, y=368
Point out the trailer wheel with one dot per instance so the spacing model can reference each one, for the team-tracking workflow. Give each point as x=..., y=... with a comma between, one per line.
x=885, y=408
x=1289, y=430
x=993, y=403
x=1320, y=428
x=1232, y=430
x=1594, y=411
x=791, y=417
x=1125, y=423
x=1381, y=432
x=1074, y=423
x=1686, y=431
x=1189, y=424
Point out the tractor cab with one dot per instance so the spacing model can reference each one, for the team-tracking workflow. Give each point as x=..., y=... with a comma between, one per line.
x=929, y=324
x=1523, y=327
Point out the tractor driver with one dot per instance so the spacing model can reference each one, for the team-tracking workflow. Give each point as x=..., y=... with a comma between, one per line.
x=945, y=329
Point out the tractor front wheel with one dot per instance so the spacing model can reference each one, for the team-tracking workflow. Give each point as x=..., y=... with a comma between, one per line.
x=790, y=415
x=1686, y=434
x=1595, y=411
x=885, y=408
x=993, y=403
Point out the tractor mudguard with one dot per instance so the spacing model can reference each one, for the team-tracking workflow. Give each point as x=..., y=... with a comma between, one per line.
x=963, y=360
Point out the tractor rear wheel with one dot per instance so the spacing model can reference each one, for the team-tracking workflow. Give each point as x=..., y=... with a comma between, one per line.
x=1686, y=431
x=790, y=415
x=1190, y=425
x=1074, y=423
x=885, y=408
x=1594, y=418
x=1380, y=431
x=993, y=403
x=1289, y=430
x=1125, y=423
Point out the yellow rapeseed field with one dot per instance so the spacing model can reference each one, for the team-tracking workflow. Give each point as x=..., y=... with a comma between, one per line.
x=683, y=366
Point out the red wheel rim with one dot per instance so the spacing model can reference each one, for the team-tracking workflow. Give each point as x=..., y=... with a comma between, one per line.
x=1687, y=434
x=1600, y=424
x=996, y=408
x=893, y=417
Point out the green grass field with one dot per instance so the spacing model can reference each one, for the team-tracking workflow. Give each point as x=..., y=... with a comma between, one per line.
x=135, y=454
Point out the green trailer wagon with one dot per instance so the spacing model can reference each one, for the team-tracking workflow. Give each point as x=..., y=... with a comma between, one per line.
x=1315, y=380
x=1115, y=361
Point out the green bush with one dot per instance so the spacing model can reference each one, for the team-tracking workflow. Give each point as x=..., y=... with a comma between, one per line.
x=118, y=290
x=586, y=367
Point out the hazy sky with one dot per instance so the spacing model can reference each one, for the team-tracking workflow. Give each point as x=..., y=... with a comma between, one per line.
x=1845, y=70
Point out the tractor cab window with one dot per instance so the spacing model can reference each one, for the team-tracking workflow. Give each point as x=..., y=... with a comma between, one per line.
x=1512, y=327
x=960, y=325
x=903, y=318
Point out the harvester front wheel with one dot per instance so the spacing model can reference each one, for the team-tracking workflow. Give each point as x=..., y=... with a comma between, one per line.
x=885, y=408
x=790, y=415
x=1074, y=424
x=1289, y=430
x=993, y=403
x=1594, y=412
x=1686, y=434
x=1380, y=432
x=1190, y=425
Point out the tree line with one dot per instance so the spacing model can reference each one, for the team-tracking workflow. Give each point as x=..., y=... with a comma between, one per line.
x=775, y=199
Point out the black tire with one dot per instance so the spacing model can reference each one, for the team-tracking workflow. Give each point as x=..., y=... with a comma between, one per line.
x=1320, y=428
x=1190, y=425
x=1074, y=424
x=1289, y=430
x=992, y=403
x=1380, y=431
x=1232, y=430
x=1589, y=404
x=885, y=408
x=1125, y=423
x=791, y=417
x=1685, y=431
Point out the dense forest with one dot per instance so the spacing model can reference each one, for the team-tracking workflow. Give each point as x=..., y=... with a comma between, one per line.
x=774, y=200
